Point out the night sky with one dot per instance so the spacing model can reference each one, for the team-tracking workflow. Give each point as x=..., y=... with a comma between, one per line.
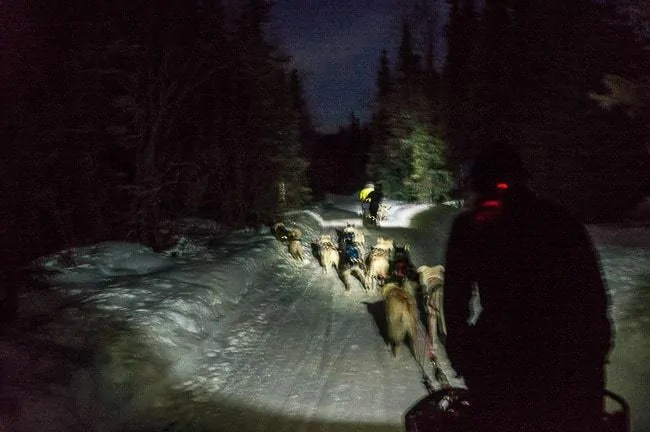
x=336, y=45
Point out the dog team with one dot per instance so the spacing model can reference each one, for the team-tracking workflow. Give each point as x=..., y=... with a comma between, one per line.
x=387, y=269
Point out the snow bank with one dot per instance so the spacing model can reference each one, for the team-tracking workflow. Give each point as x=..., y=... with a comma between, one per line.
x=155, y=319
x=128, y=339
x=399, y=213
x=102, y=261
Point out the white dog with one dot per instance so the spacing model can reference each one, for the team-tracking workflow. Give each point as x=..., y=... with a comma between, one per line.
x=382, y=212
x=387, y=245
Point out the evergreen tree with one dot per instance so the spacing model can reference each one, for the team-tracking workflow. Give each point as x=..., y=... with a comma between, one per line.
x=569, y=141
x=384, y=80
x=407, y=138
x=407, y=60
x=270, y=129
x=151, y=111
x=461, y=77
x=380, y=127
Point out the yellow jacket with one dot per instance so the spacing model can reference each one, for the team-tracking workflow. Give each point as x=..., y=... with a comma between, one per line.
x=363, y=194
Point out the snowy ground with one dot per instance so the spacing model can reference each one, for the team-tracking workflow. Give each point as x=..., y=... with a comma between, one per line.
x=234, y=335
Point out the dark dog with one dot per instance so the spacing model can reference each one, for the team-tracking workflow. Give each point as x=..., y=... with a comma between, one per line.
x=351, y=258
x=282, y=233
x=401, y=266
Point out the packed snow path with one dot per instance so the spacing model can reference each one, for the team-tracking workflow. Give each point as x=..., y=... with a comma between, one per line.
x=237, y=336
x=313, y=352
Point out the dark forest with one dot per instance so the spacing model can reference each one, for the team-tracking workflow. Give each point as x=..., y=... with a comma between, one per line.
x=118, y=116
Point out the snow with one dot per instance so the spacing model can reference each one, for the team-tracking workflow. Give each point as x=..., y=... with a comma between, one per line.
x=230, y=333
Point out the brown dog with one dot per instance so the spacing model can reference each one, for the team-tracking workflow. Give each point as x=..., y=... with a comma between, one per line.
x=401, y=315
x=296, y=250
x=294, y=234
x=378, y=267
x=280, y=231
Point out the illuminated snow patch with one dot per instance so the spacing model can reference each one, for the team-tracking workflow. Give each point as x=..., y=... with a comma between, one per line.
x=326, y=223
x=400, y=215
x=102, y=261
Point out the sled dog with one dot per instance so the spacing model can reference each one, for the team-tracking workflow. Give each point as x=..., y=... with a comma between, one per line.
x=383, y=244
x=280, y=231
x=283, y=233
x=401, y=315
x=378, y=268
x=296, y=250
x=351, y=258
x=432, y=279
x=402, y=267
x=329, y=254
x=411, y=286
x=294, y=234
x=359, y=237
x=382, y=212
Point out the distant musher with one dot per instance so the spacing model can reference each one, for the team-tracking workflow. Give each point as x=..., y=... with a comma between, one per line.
x=363, y=199
x=375, y=197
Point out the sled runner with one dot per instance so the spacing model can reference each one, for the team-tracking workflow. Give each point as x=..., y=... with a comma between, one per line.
x=447, y=410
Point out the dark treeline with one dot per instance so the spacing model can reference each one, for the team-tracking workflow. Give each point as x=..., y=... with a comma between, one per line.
x=402, y=147
x=531, y=72
x=124, y=114
x=118, y=116
x=524, y=71
x=338, y=162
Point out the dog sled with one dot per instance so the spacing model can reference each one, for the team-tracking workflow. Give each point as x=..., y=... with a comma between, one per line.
x=449, y=410
x=369, y=219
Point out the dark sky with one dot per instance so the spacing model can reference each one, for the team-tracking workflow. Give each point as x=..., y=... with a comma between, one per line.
x=336, y=45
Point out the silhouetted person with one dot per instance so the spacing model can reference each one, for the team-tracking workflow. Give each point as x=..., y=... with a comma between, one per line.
x=375, y=197
x=534, y=359
x=363, y=198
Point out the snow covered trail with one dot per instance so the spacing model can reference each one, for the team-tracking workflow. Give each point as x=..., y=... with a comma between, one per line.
x=230, y=336
x=318, y=356
x=310, y=350
x=234, y=335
